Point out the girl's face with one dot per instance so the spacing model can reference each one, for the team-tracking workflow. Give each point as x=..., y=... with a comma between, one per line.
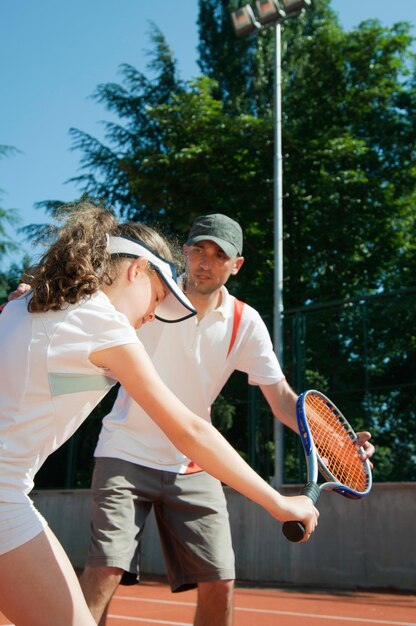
x=150, y=292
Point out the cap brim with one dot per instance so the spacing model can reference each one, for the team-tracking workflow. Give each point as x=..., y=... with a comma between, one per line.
x=229, y=248
x=175, y=307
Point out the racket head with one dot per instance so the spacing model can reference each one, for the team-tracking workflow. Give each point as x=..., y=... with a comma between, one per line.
x=326, y=432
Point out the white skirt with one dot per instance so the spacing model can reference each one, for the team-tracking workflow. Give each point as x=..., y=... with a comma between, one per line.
x=19, y=523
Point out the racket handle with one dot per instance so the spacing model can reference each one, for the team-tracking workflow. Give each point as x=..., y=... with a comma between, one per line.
x=295, y=531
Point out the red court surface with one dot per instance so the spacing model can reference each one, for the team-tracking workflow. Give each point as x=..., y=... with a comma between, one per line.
x=152, y=603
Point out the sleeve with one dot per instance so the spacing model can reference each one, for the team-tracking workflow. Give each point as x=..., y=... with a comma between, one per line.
x=255, y=354
x=108, y=328
x=93, y=326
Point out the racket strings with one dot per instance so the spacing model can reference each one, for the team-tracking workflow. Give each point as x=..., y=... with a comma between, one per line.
x=334, y=444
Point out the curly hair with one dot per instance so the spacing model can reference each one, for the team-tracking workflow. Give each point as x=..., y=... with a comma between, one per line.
x=77, y=264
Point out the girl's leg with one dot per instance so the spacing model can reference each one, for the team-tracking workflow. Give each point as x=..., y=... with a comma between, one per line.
x=39, y=587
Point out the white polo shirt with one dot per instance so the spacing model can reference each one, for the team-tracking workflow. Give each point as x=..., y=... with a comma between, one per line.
x=191, y=358
x=48, y=385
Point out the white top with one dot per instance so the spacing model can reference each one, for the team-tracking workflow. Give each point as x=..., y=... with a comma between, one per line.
x=48, y=385
x=191, y=357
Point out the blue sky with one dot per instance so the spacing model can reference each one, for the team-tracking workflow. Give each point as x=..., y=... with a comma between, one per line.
x=52, y=56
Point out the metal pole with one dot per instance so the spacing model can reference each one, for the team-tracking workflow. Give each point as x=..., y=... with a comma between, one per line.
x=278, y=244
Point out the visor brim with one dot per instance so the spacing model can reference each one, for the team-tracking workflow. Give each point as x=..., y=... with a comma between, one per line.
x=175, y=307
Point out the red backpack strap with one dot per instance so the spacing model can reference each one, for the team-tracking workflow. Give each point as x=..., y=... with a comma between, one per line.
x=238, y=313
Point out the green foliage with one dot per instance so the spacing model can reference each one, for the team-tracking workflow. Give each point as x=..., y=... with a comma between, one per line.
x=8, y=217
x=348, y=137
x=223, y=413
x=349, y=217
x=362, y=353
x=239, y=70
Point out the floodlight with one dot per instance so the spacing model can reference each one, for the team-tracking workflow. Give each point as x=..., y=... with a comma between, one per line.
x=292, y=8
x=269, y=12
x=244, y=21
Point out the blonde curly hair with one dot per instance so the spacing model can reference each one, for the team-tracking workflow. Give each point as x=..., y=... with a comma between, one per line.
x=78, y=264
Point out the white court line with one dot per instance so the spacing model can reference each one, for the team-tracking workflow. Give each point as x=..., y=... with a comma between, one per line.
x=156, y=601
x=335, y=618
x=149, y=621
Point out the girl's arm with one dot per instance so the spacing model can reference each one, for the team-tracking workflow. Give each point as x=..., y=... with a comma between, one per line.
x=196, y=437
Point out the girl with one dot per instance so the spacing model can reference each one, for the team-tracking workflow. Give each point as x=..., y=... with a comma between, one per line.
x=64, y=344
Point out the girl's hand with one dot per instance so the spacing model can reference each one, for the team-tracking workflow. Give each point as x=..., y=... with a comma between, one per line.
x=298, y=509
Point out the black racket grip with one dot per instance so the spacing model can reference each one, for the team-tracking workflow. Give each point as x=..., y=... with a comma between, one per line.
x=295, y=531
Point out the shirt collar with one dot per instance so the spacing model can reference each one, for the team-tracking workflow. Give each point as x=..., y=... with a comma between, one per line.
x=226, y=307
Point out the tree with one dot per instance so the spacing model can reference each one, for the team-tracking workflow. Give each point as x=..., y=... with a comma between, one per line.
x=348, y=140
x=349, y=169
x=110, y=169
x=7, y=216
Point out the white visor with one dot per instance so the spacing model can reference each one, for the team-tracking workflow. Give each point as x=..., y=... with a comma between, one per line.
x=176, y=306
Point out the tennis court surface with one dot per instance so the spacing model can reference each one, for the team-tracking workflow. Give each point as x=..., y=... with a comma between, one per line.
x=152, y=603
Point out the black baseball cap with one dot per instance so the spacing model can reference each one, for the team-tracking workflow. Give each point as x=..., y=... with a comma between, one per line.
x=220, y=229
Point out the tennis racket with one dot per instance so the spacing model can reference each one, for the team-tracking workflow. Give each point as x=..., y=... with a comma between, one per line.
x=329, y=445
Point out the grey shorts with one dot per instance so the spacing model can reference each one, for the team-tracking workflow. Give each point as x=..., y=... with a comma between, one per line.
x=191, y=515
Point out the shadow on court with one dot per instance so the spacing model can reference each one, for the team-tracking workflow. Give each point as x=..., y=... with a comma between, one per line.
x=151, y=602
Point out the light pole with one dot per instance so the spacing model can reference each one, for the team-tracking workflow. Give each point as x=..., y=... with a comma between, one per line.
x=272, y=13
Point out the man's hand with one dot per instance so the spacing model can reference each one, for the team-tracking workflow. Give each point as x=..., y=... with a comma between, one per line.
x=19, y=291
x=363, y=442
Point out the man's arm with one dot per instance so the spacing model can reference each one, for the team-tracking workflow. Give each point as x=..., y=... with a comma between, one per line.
x=282, y=401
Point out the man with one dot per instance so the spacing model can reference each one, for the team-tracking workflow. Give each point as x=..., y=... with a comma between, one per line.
x=136, y=465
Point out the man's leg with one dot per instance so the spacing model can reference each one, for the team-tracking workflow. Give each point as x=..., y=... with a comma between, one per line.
x=117, y=519
x=196, y=539
x=215, y=603
x=98, y=585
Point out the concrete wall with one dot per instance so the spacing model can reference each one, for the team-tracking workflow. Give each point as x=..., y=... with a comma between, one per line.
x=366, y=543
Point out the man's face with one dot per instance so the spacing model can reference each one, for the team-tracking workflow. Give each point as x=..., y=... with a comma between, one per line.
x=208, y=267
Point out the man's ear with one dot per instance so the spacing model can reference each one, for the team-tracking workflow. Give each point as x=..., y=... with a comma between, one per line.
x=237, y=265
